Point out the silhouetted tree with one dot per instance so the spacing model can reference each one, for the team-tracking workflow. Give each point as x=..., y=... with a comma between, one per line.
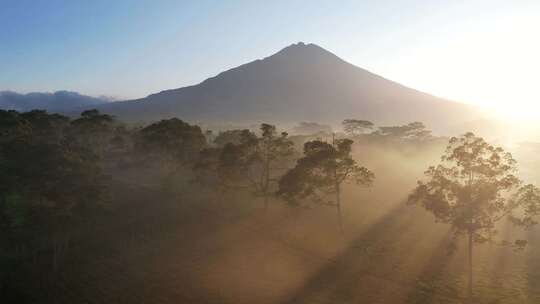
x=222, y=169
x=470, y=190
x=413, y=130
x=93, y=130
x=267, y=159
x=206, y=171
x=321, y=172
x=49, y=180
x=172, y=139
x=233, y=137
x=248, y=162
x=355, y=127
x=225, y=167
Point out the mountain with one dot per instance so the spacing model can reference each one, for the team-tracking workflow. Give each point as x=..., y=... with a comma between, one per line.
x=60, y=101
x=302, y=82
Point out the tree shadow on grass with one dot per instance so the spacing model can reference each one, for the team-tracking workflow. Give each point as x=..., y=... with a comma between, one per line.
x=340, y=280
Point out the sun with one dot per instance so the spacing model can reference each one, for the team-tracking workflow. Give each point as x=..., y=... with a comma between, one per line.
x=503, y=72
x=493, y=65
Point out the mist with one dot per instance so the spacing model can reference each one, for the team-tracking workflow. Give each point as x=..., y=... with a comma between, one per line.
x=172, y=212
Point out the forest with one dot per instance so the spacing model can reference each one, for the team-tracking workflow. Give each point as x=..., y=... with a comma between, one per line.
x=96, y=210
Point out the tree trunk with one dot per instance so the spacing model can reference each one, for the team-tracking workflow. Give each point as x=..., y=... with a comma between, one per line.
x=471, y=231
x=470, y=289
x=266, y=180
x=338, y=206
x=338, y=190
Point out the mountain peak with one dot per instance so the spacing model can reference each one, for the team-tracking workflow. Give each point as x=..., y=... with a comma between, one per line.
x=303, y=48
x=301, y=53
x=299, y=44
x=301, y=82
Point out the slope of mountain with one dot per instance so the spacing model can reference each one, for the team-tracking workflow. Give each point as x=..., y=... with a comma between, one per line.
x=302, y=82
x=60, y=101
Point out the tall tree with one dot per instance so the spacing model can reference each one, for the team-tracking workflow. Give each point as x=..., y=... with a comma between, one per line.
x=93, y=130
x=267, y=158
x=355, y=127
x=232, y=137
x=170, y=145
x=226, y=164
x=206, y=171
x=473, y=188
x=172, y=140
x=222, y=169
x=321, y=172
x=49, y=181
x=249, y=161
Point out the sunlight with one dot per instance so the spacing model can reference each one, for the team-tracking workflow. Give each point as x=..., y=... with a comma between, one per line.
x=243, y=161
x=504, y=69
x=494, y=66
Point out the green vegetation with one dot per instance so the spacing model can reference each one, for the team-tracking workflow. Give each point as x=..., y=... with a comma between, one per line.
x=322, y=171
x=84, y=198
x=473, y=189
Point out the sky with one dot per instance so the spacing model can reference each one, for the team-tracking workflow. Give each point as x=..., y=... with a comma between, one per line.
x=484, y=52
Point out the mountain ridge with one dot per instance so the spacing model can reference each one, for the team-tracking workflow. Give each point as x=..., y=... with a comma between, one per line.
x=59, y=101
x=301, y=82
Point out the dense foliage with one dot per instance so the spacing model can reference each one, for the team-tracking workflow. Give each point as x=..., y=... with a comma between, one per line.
x=473, y=188
x=67, y=183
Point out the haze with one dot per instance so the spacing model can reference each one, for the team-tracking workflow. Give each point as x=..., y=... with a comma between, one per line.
x=287, y=152
x=479, y=52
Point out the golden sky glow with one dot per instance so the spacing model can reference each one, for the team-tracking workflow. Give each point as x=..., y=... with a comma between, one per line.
x=496, y=66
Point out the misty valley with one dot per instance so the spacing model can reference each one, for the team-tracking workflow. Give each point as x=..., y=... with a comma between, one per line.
x=97, y=210
x=269, y=152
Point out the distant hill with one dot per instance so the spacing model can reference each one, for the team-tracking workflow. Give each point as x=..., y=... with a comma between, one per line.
x=60, y=101
x=302, y=82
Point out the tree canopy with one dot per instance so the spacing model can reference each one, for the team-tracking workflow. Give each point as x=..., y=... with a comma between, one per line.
x=247, y=162
x=413, y=130
x=355, y=127
x=233, y=137
x=172, y=138
x=45, y=173
x=321, y=172
x=473, y=188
